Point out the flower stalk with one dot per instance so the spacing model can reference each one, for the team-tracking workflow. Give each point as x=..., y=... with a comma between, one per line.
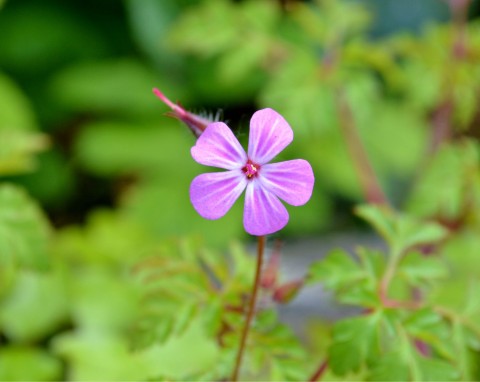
x=251, y=308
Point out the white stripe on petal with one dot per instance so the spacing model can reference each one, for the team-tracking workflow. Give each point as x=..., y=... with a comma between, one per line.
x=218, y=147
x=213, y=194
x=263, y=212
x=292, y=181
x=269, y=135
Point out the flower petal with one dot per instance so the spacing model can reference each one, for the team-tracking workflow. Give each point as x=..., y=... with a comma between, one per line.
x=263, y=213
x=218, y=147
x=213, y=194
x=292, y=181
x=269, y=135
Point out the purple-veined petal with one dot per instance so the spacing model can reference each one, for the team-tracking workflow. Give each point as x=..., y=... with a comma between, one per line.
x=269, y=135
x=292, y=181
x=213, y=194
x=218, y=147
x=263, y=213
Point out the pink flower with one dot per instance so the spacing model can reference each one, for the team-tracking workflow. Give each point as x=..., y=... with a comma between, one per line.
x=213, y=194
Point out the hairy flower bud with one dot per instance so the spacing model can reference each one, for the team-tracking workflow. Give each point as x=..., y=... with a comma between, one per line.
x=286, y=292
x=195, y=123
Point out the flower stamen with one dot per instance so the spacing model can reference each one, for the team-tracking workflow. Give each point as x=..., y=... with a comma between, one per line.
x=251, y=169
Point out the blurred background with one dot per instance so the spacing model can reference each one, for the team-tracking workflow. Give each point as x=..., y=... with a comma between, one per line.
x=101, y=172
x=81, y=74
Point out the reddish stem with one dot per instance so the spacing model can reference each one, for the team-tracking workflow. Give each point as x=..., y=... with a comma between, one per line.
x=442, y=115
x=251, y=308
x=317, y=376
x=368, y=180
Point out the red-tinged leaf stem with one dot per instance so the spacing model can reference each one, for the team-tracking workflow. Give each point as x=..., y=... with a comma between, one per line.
x=317, y=375
x=441, y=119
x=369, y=183
x=393, y=261
x=251, y=308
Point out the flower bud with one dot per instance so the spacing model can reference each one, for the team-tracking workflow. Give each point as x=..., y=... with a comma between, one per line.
x=270, y=274
x=286, y=292
x=195, y=123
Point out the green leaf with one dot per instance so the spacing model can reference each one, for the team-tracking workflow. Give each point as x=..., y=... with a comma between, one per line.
x=18, y=363
x=355, y=341
x=101, y=147
x=432, y=196
x=419, y=269
x=18, y=149
x=206, y=29
x=285, y=354
x=88, y=306
x=108, y=357
x=16, y=112
x=101, y=87
x=428, y=326
x=433, y=369
x=107, y=241
x=395, y=367
x=53, y=182
x=400, y=231
x=39, y=295
x=390, y=367
x=336, y=270
x=24, y=230
x=466, y=349
x=53, y=47
x=354, y=282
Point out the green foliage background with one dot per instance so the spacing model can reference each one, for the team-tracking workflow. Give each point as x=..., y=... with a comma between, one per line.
x=107, y=272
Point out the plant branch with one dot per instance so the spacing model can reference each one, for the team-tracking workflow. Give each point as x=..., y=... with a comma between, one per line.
x=442, y=116
x=251, y=308
x=368, y=180
x=384, y=285
x=317, y=375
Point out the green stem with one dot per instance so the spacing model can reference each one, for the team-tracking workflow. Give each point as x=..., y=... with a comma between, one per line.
x=251, y=308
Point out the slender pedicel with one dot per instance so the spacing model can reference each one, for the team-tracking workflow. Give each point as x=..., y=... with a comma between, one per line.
x=251, y=308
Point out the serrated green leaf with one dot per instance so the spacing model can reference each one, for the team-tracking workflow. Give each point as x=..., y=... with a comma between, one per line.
x=433, y=369
x=400, y=231
x=394, y=367
x=354, y=282
x=418, y=269
x=432, y=196
x=390, y=368
x=380, y=218
x=428, y=326
x=355, y=340
x=336, y=270
x=462, y=340
x=373, y=262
